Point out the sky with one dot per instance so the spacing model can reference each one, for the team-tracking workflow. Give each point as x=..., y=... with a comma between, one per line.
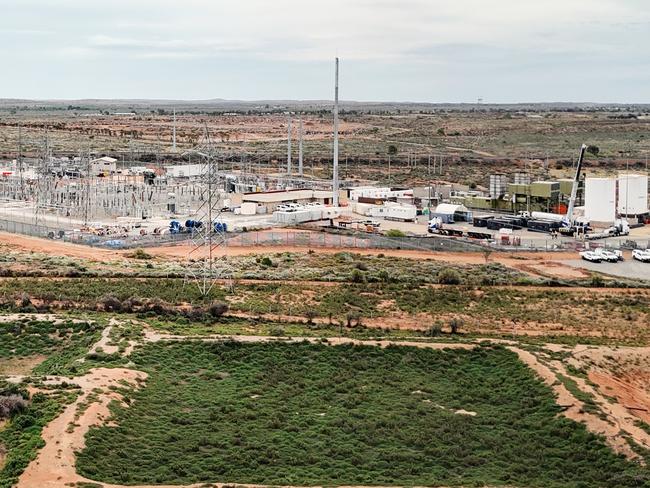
x=440, y=51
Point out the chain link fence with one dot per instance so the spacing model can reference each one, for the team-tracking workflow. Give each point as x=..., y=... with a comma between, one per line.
x=310, y=239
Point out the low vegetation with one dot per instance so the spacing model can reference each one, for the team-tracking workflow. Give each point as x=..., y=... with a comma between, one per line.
x=59, y=343
x=21, y=437
x=301, y=414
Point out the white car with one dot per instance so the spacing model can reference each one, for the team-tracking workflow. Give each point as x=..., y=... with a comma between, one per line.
x=642, y=255
x=611, y=256
x=591, y=256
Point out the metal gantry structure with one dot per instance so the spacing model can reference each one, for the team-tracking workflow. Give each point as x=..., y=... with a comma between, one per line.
x=44, y=181
x=208, y=232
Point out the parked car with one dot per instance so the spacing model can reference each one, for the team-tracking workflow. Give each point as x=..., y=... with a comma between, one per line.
x=611, y=256
x=642, y=255
x=591, y=256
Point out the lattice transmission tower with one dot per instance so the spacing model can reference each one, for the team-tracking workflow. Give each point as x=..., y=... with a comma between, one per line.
x=208, y=233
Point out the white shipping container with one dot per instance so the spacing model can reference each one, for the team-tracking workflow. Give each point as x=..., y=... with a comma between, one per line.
x=600, y=199
x=632, y=194
x=248, y=208
x=297, y=217
x=364, y=209
x=393, y=211
x=331, y=212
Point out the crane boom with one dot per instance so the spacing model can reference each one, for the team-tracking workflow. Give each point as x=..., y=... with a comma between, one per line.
x=574, y=188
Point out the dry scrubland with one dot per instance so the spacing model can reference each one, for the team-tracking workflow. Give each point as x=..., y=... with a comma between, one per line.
x=319, y=369
x=473, y=143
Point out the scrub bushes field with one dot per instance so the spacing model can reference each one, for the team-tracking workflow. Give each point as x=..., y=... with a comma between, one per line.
x=552, y=313
x=311, y=414
x=21, y=438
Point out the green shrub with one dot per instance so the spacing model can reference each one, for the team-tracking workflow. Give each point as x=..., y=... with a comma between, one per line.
x=449, y=276
x=394, y=233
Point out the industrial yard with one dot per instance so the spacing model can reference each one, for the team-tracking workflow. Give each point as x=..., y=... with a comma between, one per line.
x=225, y=288
x=223, y=265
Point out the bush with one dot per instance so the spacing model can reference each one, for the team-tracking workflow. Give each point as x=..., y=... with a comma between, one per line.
x=455, y=325
x=111, y=303
x=217, y=309
x=139, y=254
x=597, y=281
x=266, y=261
x=361, y=266
x=11, y=404
x=357, y=276
x=448, y=276
x=395, y=233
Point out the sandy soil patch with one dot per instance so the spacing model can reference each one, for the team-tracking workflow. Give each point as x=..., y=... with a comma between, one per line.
x=55, y=464
x=20, y=366
x=613, y=428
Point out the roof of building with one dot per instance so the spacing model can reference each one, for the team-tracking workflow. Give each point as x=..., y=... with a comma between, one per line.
x=285, y=196
x=450, y=208
x=105, y=159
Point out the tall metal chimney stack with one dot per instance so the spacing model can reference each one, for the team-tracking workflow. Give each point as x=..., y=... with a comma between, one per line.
x=174, y=133
x=300, y=147
x=289, y=146
x=335, y=173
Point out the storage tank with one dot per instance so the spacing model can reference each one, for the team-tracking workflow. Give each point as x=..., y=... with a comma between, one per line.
x=600, y=199
x=552, y=217
x=632, y=194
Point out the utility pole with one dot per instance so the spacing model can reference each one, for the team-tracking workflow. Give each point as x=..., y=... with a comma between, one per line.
x=289, y=146
x=300, y=172
x=335, y=175
x=19, y=161
x=174, y=133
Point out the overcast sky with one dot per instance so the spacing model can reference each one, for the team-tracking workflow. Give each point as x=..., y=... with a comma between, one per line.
x=390, y=50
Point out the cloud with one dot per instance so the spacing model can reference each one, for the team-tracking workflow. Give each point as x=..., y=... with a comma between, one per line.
x=358, y=29
x=165, y=48
x=394, y=47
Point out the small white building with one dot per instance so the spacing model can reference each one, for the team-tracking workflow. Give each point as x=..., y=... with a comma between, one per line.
x=389, y=210
x=600, y=199
x=271, y=200
x=103, y=166
x=632, y=194
x=379, y=193
x=185, y=170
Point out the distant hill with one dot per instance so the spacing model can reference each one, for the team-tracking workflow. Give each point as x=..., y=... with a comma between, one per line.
x=221, y=105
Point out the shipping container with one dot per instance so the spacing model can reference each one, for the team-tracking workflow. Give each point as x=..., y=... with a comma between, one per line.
x=482, y=220
x=496, y=224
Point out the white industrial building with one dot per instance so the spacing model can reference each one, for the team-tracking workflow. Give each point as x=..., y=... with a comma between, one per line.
x=388, y=210
x=600, y=199
x=103, y=166
x=184, y=170
x=270, y=200
x=632, y=194
x=378, y=193
x=311, y=212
